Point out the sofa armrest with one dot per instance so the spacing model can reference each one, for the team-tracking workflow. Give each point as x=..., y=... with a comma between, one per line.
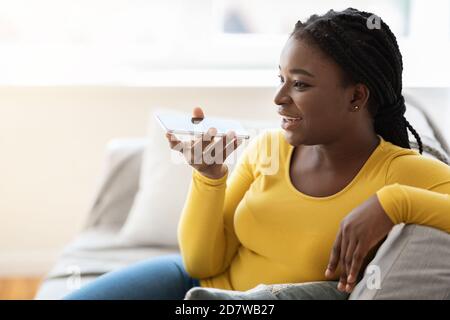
x=412, y=263
x=118, y=183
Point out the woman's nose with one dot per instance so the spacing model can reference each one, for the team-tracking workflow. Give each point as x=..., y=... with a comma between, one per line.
x=281, y=97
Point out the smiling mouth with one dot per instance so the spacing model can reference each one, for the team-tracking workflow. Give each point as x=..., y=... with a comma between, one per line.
x=290, y=119
x=290, y=123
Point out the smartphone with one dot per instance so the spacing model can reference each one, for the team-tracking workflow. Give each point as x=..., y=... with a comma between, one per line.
x=186, y=125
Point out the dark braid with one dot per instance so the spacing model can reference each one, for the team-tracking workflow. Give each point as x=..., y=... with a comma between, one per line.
x=368, y=56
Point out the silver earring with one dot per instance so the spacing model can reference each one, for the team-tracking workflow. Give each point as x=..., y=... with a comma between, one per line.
x=355, y=107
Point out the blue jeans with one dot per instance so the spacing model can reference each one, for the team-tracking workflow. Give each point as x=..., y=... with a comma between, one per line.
x=158, y=278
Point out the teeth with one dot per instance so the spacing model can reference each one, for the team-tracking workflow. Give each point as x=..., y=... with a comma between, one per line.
x=290, y=119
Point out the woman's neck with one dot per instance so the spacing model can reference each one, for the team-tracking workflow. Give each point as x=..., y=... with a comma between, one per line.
x=346, y=150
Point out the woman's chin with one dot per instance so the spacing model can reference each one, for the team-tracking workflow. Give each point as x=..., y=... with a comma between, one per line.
x=293, y=138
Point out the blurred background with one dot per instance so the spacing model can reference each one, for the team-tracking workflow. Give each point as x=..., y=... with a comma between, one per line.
x=76, y=73
x=211, y=42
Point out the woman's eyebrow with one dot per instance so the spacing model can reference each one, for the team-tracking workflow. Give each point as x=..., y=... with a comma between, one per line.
x=299, y=71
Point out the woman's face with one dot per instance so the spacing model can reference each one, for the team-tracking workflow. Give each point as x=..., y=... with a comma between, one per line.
x=311, y=89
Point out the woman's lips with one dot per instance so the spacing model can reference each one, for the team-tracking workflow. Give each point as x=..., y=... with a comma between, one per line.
x=290, y=123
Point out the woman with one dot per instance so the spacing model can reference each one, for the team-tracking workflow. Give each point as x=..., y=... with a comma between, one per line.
x=343, y=177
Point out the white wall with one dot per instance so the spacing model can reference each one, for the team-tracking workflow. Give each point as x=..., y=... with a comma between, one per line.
x=51, y=149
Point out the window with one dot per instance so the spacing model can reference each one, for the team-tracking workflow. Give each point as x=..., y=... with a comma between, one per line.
x=170, y=42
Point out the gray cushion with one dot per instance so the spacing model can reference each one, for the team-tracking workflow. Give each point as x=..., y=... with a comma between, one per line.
x=319, y=290
x=118, y=183
x=413, y=263
x=93, y=253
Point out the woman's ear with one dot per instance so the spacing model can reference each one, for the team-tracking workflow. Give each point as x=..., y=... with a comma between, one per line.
x=360, y=97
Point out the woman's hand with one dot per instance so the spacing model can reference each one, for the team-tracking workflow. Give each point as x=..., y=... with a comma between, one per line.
x=204, y=155
x=359, y=232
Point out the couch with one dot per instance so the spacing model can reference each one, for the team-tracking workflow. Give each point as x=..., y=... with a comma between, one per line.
x=97, y=249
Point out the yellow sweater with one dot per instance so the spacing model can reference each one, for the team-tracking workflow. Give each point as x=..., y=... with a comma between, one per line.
x=256, y=227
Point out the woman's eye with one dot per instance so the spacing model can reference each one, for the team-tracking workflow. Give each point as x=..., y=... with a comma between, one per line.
x=297, y=84
x=300, y=85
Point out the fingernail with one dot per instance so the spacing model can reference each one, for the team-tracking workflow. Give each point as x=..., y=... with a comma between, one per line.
x=340, y=286
x=348, y=288
x=328, y=273
x=350, y=278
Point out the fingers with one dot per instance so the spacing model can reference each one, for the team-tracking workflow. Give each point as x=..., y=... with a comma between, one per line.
x=205, y=149
x=357, y=261
x=197, y=115
x=343, y=277
x=334, y=257
x=208, y=137
x=197, y=112
x=342, y=282
x=229, y=141
x=173, y=141
x=220, y=150
x=349, y=255
x=342, y=254
x=351, y=264
x=201, y=143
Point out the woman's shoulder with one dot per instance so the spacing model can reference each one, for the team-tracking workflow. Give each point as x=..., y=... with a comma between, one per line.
x=409, y=165
x=399, y=156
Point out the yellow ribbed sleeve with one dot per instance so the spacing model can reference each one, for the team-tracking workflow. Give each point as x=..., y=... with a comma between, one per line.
x=417, y=191
x=411, y=205
x=206, y=233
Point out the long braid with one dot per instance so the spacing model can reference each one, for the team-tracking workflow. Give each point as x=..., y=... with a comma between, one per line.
x=416, y=135
x=369, y=56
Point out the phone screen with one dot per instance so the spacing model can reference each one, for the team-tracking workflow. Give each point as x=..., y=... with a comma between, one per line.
x=185, y=124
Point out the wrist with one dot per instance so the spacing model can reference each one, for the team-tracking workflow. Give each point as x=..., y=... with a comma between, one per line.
x=214, y=173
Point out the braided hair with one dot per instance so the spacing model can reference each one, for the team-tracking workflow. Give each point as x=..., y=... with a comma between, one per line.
x=367, y=55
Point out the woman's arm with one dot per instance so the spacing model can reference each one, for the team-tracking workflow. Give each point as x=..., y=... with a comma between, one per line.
x=414, y=205
x=417, y=191
x=206, y=230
